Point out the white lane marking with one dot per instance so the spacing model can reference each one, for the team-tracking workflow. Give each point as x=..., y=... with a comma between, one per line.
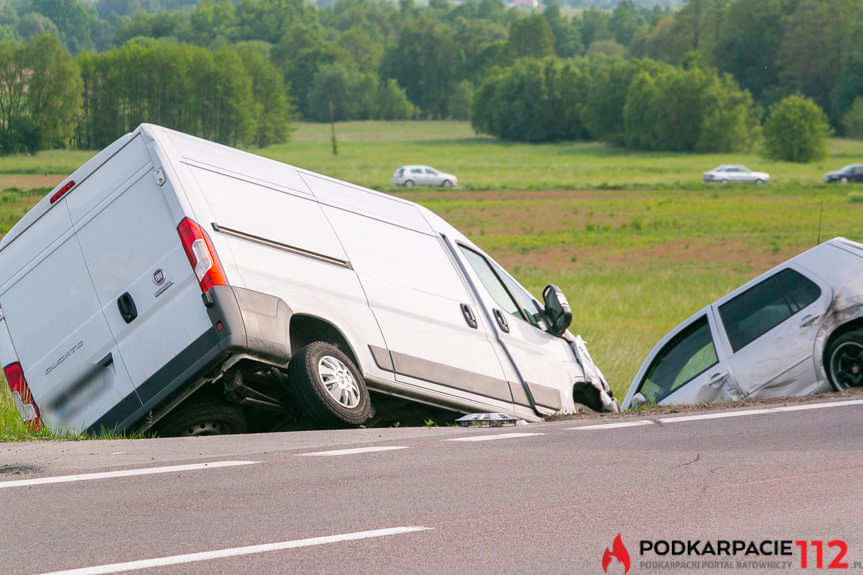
x=618, y=425
x=124, y=473
x=235, y=551
x=495, y=436
x=722, y=415
x=352, y=451
x=784, y=408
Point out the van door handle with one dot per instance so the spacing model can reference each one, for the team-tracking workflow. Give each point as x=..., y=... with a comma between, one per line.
x=107, y=360
x=127, y=308
x=501, y=320
x=468, y=315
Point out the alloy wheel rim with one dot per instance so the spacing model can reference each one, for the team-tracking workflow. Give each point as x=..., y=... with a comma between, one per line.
x=339, y=382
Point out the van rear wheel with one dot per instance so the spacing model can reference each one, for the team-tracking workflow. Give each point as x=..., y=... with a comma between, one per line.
x=203, y=417
x=328, y=386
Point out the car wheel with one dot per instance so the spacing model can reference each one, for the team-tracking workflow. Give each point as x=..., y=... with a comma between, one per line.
x=446, y=184
x=845, y=360
x=759, y=181
x=203, y=417
x=409, y=183
x=843, y=179
x=329, y=387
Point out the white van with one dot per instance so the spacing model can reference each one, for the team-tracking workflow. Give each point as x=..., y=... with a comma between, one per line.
x=179, y=284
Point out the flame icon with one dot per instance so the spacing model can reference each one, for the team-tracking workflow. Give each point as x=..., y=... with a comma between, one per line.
x=619, y=552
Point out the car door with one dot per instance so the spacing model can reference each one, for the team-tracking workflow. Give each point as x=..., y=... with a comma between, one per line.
x=432, y=178
x=770, y=329
x=687, y=366
x=857, y=176
x=545, y=363
x=436, y=341
x=67, y=351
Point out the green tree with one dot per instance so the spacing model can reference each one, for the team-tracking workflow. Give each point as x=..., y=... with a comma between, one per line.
x=392, y=102
x=461, y=100
x=853, y=120
x=796, y=130
x=531, y=37
x=272, y=110
x=640, y=114
x=424, y=62
x=567, y=35
x=54, y=90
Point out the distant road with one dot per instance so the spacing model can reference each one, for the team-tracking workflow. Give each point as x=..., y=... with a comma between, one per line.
x=544, y=498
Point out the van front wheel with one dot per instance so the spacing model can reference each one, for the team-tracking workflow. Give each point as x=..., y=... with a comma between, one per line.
x=203, y=417
x=329, y=387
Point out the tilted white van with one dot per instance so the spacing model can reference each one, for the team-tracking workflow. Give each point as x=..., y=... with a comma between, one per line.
x=178, y=284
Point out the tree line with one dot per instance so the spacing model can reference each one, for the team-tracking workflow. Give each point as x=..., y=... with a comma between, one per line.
x=701, y=77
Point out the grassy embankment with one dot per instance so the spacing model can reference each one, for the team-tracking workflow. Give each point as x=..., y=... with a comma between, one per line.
x=636, y=240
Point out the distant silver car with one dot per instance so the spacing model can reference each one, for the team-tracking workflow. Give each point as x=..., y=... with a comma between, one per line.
x=795, y=330
x=733, y=173
x=422, y=176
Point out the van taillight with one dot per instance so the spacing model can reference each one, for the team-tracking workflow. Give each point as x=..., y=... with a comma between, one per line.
x=27, y=408
x=201, y=255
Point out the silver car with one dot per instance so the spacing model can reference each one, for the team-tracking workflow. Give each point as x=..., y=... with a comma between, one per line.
x=422, y=176
x=795, y=330
x=732, y=173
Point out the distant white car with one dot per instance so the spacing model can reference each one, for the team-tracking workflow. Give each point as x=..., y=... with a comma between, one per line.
x=732, y=173
x=795, y=330
x=422, y=176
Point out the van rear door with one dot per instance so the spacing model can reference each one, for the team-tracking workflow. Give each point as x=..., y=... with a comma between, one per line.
x=145, y=285
x=64, y=345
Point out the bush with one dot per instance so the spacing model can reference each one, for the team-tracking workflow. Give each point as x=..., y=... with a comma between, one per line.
x=532, y=101
x=796, y=131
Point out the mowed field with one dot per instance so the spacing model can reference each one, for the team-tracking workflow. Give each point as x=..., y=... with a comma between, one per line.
x=636, y=240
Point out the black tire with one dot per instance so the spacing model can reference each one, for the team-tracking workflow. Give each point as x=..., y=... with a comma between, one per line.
x=340, y=400
x=446, y=184
x=409, y=183
x=844, y=360
x=203, y=417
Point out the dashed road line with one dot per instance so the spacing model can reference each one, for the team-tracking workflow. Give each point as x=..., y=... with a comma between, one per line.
x=123, y=473
x=720, y=415
x=352, y=451
x=236, y=551
x=495, y=436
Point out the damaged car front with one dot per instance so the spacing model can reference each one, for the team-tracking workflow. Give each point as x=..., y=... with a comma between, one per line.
x=795, y=330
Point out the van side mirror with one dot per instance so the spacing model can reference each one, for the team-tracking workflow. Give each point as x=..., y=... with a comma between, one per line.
x=557, y=309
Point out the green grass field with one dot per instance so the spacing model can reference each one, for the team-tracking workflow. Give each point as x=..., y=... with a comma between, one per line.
x=636, y=240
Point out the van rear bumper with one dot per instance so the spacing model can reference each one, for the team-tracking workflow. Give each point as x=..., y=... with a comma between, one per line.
x=245, y=322
x=251, y=322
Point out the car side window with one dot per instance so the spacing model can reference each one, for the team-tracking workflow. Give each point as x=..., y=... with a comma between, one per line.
x=416, y=171
x=491, y=281
x=689, y=354
x=431, y=172
x=762, y=307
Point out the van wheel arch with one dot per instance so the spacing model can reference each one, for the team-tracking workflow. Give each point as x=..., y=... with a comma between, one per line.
x=306, y=329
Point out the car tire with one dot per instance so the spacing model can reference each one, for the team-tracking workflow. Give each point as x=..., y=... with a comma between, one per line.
x=759, y=181
x=205, y=416
x=843, y=179
x=328, y=386
x=409, y=183
x=446, y=184
x=844, y=360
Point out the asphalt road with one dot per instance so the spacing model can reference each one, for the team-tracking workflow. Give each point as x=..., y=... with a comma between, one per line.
x=544, y=498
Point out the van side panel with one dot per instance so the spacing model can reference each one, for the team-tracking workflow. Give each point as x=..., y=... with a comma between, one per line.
x=278, y=241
